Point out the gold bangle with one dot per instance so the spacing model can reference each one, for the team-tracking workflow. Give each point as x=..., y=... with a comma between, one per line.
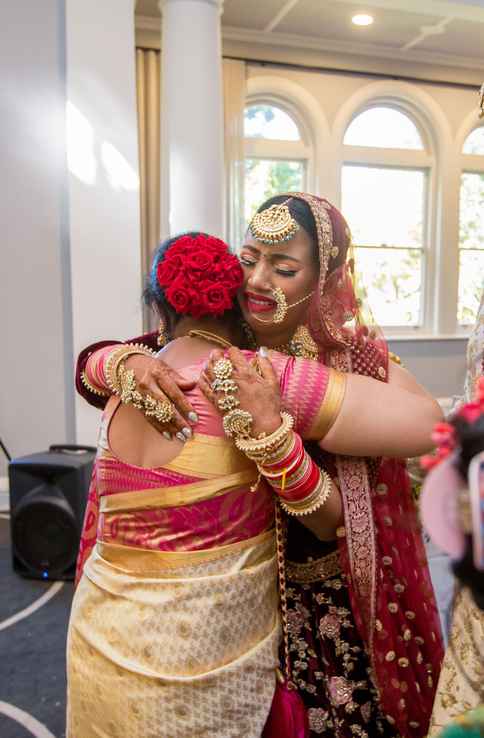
x=258, y=449
x=313, y=501
x=116, y=357
x=395, y=358
x=91, y=388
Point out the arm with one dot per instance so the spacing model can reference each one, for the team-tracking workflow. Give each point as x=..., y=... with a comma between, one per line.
x=153, y=377
x=400, y=377
x=291, y=472
x=148, y=339
x=377, y=419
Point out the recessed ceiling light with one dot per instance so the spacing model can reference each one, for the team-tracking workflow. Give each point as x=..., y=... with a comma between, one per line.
x=362, y=19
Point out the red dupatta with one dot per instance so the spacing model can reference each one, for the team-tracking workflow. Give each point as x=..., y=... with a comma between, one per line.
x=381, y=547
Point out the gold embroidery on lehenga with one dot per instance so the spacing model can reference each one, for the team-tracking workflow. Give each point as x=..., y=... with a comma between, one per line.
x=314, y=571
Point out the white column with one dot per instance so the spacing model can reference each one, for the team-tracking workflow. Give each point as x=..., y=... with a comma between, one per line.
x=192, y=117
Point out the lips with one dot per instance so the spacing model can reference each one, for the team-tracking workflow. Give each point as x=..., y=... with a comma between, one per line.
x=258, y=303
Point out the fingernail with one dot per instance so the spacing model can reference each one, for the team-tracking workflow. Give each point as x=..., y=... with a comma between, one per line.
x=181, y=437
x=187, y=432
x=167, y=435
x=263, y=352
x=192, y=417
x=205, y=366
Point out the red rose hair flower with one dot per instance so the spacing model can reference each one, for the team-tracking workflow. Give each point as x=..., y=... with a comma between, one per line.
x=199, y=276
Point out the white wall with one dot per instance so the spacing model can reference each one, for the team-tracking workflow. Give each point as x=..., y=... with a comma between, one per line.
x=103, y=179
x=60, y=224
x=36, y=395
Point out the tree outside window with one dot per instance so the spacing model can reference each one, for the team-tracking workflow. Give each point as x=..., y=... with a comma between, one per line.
x=384, y=199
x=471, y=229
x=276, y=155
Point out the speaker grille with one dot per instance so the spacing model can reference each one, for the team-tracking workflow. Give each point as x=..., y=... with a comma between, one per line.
x=45, y=535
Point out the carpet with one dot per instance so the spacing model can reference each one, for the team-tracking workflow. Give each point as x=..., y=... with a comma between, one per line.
x=33, y=626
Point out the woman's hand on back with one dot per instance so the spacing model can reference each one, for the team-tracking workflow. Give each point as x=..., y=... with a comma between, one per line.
x=258, y=388
x=156, y=378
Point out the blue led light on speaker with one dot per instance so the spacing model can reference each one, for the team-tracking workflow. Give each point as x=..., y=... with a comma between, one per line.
x=45, y=575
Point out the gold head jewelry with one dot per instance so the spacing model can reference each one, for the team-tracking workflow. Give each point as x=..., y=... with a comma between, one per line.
x=274, y=224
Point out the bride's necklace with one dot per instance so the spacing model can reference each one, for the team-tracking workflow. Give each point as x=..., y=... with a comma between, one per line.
x=301, y=344
x=207, y=336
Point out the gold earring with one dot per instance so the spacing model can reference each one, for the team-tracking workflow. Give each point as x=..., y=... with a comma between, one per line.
x=162, y=338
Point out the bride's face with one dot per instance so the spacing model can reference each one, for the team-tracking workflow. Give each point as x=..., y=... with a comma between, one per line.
x=292, y=266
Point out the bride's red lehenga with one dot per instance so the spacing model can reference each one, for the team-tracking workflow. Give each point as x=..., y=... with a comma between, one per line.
x=364, y=632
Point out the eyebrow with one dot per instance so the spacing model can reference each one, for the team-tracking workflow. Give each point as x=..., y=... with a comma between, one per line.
x=281, y=257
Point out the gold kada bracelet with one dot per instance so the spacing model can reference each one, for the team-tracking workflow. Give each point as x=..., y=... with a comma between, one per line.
x=258, y=449
x=313, y=501
x=115, y=359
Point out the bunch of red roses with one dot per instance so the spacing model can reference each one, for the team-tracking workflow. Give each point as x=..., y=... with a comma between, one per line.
x=199, y=276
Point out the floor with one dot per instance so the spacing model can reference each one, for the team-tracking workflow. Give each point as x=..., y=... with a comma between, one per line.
x=33, y=626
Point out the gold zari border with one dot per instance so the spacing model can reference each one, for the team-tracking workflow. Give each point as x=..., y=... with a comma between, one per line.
x=314, y=571
x=330, y=407
x=131, y=558
x=179, y=495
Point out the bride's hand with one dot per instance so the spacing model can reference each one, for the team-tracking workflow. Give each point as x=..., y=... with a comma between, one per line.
x=258, y=388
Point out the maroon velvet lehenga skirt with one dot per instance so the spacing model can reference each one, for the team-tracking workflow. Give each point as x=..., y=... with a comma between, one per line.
x=328, y=658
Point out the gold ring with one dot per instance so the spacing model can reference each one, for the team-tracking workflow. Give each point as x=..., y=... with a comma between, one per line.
x=162, y=411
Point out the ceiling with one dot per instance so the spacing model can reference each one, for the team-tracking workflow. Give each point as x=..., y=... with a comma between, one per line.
x=441, y=31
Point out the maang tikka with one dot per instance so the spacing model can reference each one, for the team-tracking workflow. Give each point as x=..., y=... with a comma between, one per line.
x=274, y=224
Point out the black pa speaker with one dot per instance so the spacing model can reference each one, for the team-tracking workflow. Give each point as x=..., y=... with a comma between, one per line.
x=48, y=494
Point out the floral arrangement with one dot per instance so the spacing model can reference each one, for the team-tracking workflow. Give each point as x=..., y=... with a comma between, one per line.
x=199, y=276
x=444, y=435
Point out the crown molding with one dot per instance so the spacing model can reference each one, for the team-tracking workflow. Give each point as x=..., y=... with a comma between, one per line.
x=295, y=41
x=292, y=40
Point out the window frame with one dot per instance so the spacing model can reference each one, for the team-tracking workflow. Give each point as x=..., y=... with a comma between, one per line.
x=414, y=159
x=469, y=164
x=273, y=149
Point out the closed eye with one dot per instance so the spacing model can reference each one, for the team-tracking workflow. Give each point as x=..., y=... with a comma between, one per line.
x=247, y=262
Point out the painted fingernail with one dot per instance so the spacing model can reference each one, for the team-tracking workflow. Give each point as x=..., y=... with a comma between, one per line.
x=192, y=417
x=181, y=437
x=166, y=435
x=187, y=432
x=263, y=352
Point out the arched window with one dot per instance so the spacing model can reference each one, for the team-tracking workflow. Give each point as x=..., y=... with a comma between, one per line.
x=471, y=228
x=277, y=153
x=385, y=196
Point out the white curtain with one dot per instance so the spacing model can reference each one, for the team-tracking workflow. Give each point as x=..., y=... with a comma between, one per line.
x=235, y=90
